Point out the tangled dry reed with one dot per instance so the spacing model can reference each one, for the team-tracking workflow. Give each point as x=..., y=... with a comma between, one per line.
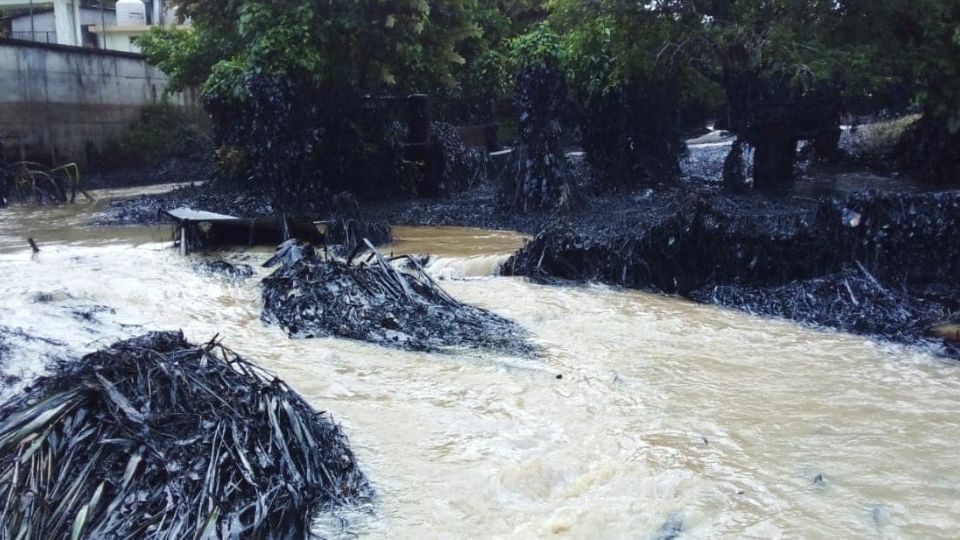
x=157, y=438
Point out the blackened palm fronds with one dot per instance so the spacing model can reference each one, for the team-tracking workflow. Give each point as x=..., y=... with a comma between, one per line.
x=851, y=300
x=374, y=301
x=880, y=264
x=157, y=438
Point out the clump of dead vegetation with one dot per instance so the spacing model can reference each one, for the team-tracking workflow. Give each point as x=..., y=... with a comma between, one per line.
x=375, y=300
x=157, y=438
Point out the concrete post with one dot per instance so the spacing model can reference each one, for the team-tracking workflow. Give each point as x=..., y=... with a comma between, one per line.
x=77, y=31
x=63, y=22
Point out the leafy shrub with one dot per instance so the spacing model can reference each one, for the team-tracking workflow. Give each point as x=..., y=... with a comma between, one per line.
x=164, y=131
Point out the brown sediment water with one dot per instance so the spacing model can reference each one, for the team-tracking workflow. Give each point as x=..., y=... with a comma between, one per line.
x=710, y=421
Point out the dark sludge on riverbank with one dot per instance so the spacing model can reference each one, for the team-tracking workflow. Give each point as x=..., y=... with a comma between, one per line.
x=884, y=265
x=155, y=437
x=368, y=298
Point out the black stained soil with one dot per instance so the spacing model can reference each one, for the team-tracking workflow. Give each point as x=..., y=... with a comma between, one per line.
x=148, y=209
x=155, y=437
x=172, y=170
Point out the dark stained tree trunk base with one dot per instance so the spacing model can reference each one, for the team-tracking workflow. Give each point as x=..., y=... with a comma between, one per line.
x=773, y=160
x=932, y=152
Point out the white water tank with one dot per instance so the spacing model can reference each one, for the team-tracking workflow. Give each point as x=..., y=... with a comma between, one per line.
x=131, y=13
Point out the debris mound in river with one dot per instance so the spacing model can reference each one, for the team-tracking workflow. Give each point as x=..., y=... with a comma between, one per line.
x=374, y=301
x=787, y=257
x=157, y=438
x=852, y=300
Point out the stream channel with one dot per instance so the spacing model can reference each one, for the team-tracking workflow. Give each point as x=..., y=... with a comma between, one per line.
x=645, y=416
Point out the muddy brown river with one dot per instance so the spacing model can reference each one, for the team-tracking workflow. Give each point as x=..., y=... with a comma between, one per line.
x=670, y=418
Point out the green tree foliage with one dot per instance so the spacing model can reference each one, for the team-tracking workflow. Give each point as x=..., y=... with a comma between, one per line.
x=931, y=28
x=186, y=55
x=368, y=45
x=295, y=86
x=638, y=73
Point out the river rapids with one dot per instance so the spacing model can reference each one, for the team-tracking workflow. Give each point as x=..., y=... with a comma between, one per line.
x=646, y=416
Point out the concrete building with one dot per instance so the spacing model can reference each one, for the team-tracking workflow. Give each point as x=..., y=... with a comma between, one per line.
x=122, y=35
x=40, y=26
x=72, y=78
x=81, y=24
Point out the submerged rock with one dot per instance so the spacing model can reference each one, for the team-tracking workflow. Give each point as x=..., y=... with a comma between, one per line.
x=672, y=528
x=374, y=301
x=157, y=438
x=224, y=268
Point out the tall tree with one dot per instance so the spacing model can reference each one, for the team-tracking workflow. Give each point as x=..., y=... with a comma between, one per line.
x=775, y=64
x=539, y=176
x=288, y=81
x=627, y=90
x=931, y=29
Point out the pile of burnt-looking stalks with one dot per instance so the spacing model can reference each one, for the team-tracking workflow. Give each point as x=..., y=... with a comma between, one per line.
x=852, y=300
x=157, y=438
x=376, y=300
x=880, y=264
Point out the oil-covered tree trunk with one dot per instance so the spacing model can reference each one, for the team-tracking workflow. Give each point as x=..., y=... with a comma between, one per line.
x=734, y=177
x=826, y=145
x=931, y=150
x=773, y=160
x=631, y=134
x=539, y=176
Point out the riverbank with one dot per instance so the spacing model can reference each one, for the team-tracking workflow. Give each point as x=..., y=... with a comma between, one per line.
x=171, y=170
x=877, y=264
x=848, y=249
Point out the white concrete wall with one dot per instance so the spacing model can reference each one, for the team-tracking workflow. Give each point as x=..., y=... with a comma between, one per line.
x=42, y=22
x=60, y=104
x=118, y=40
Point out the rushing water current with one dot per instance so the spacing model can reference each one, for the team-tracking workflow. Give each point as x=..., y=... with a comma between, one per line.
x=645, y=416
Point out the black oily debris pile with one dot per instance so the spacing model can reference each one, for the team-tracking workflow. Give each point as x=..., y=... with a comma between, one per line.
x=157, y=438
x=894, y=251
x=852, y=300
x=376, y=302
